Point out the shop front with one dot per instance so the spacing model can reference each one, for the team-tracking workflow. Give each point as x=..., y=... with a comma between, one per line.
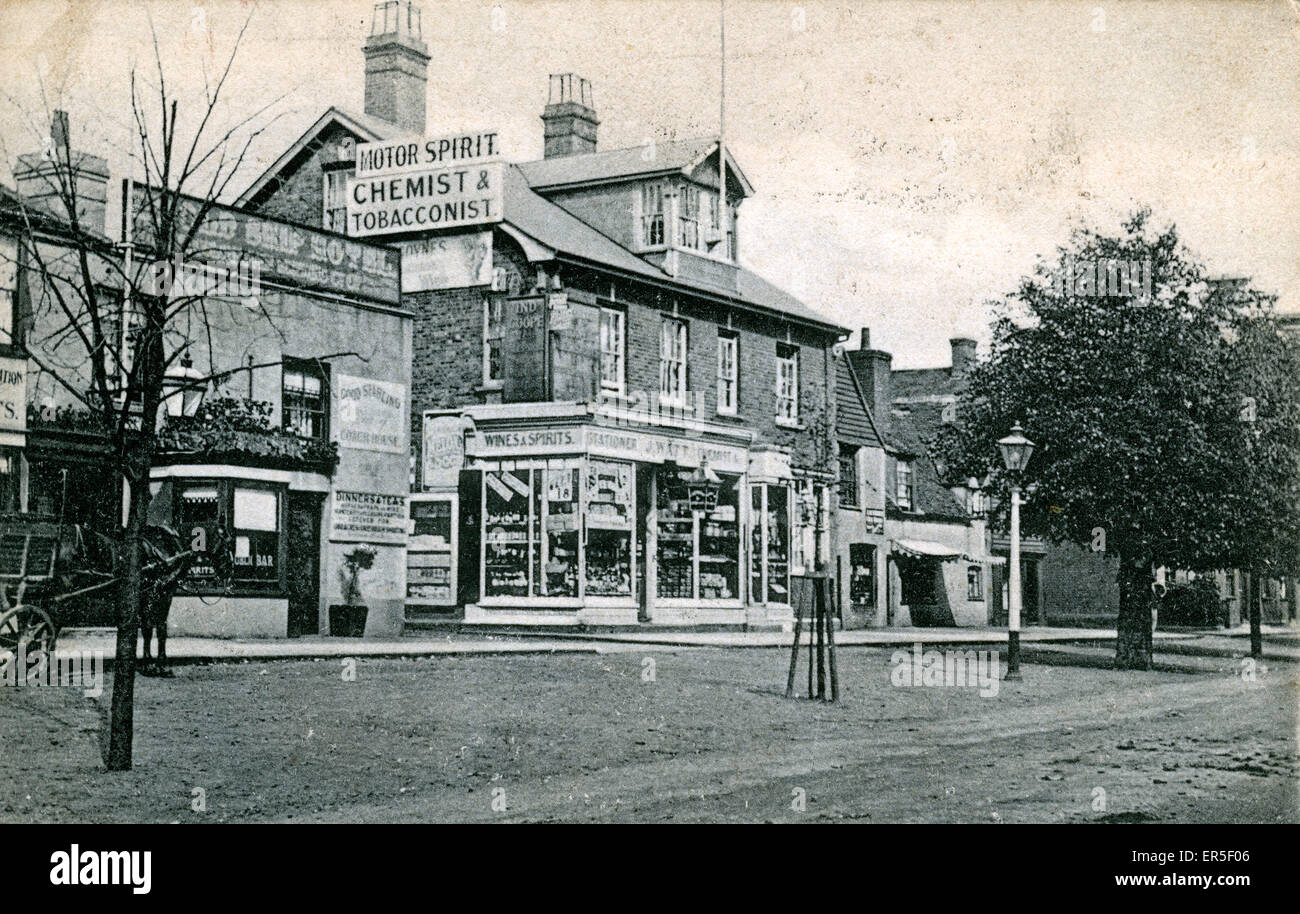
x=568, y=516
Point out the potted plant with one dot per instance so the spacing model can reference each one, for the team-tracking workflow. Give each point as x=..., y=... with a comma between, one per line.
x=349, y=619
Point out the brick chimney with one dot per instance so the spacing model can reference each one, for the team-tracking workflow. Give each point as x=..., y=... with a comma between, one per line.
x=38, y=178
x=873, y=367
x=397, y=66
x=963, y=355
x=569, y=120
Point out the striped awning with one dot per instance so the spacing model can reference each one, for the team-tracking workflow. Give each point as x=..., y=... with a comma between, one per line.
x=926, y=549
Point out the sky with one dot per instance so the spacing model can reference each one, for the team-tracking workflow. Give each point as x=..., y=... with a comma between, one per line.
x=910, y=160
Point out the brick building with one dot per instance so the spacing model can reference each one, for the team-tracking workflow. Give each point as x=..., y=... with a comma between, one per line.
x=285, y=425
x=615, y=421
x=932, y=559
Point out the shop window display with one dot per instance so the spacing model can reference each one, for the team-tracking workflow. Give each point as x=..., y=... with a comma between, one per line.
x=531, y=532
x=769, y=566
x=507, y=506
x=609, y=528
x=699, y=551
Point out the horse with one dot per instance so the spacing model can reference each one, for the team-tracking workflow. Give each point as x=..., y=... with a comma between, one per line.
x=166, y=560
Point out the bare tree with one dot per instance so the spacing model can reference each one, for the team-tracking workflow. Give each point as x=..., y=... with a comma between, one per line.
x=103, y=327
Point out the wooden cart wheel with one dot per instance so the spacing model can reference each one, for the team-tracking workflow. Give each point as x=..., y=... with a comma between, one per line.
x=27, y=629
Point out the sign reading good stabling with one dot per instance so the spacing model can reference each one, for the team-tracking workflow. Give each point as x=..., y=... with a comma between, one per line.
x=371, y=414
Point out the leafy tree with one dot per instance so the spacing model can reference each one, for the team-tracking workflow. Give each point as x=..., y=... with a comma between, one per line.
x=1136, y=395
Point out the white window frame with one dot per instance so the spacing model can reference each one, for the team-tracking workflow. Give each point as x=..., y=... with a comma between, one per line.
x=787, y=387
x=613, y=343
x=905, y=484
x=728, y=373
x=341, y=200
x=674, y=347
x=654, y=215
x=688, y=218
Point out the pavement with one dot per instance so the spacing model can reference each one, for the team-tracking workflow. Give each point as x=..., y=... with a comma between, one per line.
x=1281, y=642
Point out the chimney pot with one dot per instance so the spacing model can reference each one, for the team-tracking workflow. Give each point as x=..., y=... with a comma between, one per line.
x=397, y=66
x=963, y=355
x=569, y=119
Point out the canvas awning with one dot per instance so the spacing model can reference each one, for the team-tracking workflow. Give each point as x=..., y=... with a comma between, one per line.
x=926, y=549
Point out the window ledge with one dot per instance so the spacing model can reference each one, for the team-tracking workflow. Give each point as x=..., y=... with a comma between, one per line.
x=489, y=387
x=794, y=424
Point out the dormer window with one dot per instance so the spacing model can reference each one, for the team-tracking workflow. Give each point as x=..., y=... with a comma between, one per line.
x=652, y=215
x=688, y=220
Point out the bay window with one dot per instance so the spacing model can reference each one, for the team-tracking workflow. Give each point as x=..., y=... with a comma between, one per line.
x=251, y=517
x=652, y=215
x=688, y=217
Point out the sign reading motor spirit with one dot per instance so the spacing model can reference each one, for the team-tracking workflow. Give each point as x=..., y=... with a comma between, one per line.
x=400, y=156
x=418, y=201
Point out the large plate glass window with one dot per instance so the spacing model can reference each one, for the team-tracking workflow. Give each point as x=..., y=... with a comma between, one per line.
x=531, y=531
x=257, y=534
x=610, y=510
x=769, y=565
x=699, y=550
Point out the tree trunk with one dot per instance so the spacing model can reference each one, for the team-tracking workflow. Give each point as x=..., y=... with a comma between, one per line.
x=122, y=719
x=1256, y=601
x=1133, y=627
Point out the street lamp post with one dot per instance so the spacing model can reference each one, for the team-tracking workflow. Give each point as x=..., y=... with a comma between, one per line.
x=1016, y=451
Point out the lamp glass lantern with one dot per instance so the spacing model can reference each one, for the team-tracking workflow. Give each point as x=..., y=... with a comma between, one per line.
x=1016, y=449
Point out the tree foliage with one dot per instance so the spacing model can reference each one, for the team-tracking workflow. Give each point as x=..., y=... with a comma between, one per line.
x=1167, y=421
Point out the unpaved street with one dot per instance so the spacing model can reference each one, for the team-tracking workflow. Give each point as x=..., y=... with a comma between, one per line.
x=660, y=735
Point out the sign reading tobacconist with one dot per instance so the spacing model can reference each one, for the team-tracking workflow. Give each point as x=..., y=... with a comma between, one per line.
x=418, y=185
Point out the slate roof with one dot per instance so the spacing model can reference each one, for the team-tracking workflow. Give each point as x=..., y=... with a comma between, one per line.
x=922, y=382
x=625, y=164
x=910, y=436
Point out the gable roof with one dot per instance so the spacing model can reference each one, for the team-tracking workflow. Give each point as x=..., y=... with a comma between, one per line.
x=556, y=228
x=676, y=156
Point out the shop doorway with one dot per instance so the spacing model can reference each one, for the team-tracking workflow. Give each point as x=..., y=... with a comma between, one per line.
x=302, y=566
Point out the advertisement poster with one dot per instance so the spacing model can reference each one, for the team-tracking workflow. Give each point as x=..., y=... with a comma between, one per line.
x=368, y=517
